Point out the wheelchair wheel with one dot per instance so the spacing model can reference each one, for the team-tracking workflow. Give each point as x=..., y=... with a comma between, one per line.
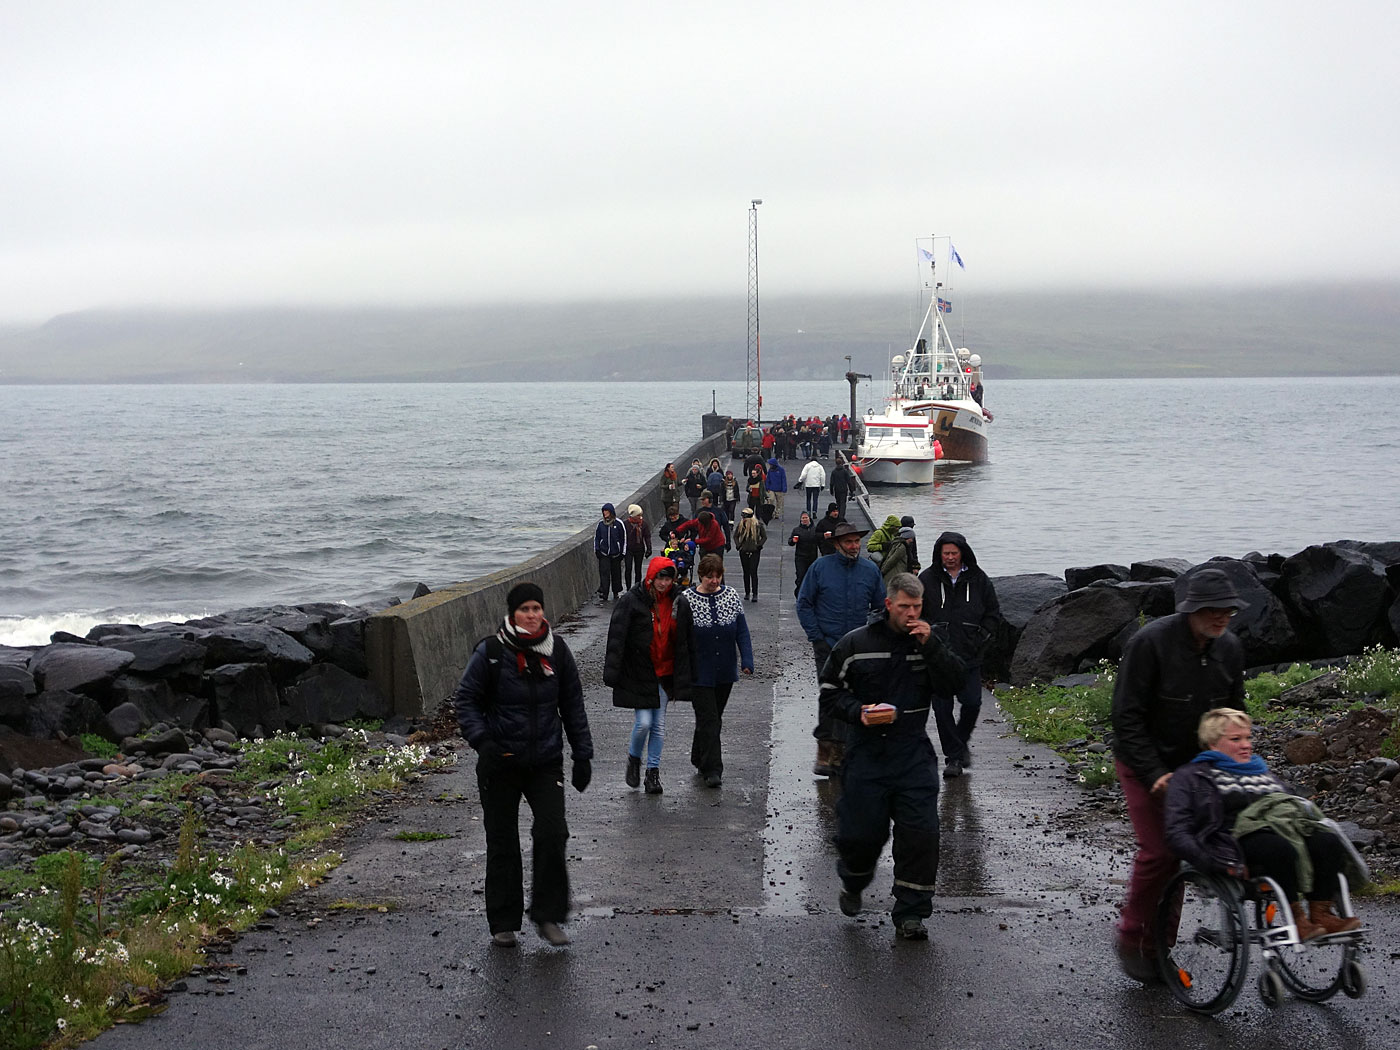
x=1270, y=988
x=1312, y=970
x=1202, y=945
x=1353, y=979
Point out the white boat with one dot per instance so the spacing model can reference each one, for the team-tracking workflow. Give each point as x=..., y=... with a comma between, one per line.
x=934, y=410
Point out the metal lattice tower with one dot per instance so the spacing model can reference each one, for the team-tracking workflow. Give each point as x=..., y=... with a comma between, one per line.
x=754, y=403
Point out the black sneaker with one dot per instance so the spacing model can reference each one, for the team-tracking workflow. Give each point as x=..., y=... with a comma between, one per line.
x=633, y=776
x=911, y=930
x=653, y=781
x=952, y=768
x=713, y=780
x=850, y=903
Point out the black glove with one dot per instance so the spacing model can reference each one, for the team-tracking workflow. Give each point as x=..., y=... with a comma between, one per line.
x=490, y=749
x=583, y=774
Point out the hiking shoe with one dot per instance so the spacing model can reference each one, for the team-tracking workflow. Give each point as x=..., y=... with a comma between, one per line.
x=653, y=781
x=552, y=932
x=911, y=930
x=850, y=902
x=713, y=780
x=633, y=776
x=504, y=939
x=952, y=768
x=823, y=766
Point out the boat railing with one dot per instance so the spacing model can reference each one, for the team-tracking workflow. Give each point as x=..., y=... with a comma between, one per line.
x=858, y=491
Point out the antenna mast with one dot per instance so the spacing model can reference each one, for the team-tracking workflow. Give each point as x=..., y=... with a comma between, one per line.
x=755, y=391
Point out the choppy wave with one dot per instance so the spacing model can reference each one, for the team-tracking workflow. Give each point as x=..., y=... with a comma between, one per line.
x=37, y=630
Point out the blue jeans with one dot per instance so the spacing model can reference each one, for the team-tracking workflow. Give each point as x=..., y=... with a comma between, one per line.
x=649, y=732
x=814, y=496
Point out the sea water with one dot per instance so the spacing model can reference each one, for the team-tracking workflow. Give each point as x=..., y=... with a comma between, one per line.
x=142, y=503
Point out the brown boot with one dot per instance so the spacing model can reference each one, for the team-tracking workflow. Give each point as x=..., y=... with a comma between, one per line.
x=1322, y=914
x=838, y=754
x=1307, y=929
x=823, y=766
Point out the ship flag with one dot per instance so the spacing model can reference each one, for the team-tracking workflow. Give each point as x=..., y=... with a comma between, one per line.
x=926, y=255
x=944, y=306
x=955, y=256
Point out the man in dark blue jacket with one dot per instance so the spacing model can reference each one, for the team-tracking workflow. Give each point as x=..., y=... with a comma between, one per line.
x=839, y=593
x=880, y=680
x=960, y=596
x=610, y=546
x=518, y=697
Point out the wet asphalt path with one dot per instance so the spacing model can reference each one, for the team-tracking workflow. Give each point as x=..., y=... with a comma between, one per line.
x=708, y=918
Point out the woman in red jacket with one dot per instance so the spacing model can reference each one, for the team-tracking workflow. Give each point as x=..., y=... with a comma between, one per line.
x=709, y=536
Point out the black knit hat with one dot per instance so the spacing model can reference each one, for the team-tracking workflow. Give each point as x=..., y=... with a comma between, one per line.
x=522, y=593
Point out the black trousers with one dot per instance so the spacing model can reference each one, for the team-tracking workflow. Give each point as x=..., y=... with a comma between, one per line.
x=502, y=784
x=609, y=574
x=633, y=561
x=1268, y=853
x=883, y=784
x=748, y=561
x=709, y=703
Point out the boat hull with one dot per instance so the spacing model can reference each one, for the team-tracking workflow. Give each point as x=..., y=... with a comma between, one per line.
x=897, y=471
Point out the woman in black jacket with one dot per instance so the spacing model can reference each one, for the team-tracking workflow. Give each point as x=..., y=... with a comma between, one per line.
x=803, y=540
x=519, y=696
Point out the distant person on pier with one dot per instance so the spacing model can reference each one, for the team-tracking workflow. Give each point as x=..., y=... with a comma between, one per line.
x=839, y=593
x=712, y=646
x=777, y=485
x=803, y=541
x=824, y=442
x=845, y=428
x=732, y=493
x=722, y=519
x=757, y=488
x=1173, y=671
x=811, y=481
x=878, y=684
x=693, y=485
x=882, y=539
x=669, y=523
x=767, y=443
x=907, y=522
x=610, y=547
x=897, y=555
x=841, y=486
x=670, y=486
x=519, y=696
x=639, y=665
x=749, y=538
x=958, y=594
x=826, y=530
x=638, y=545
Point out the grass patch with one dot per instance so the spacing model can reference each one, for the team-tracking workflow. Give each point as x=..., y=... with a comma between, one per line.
x=421, y=836
x=98, y=746
x=375, y=906
x=1263, y=689
x=1054, y=715
x=1377, y=670
x=72, y=964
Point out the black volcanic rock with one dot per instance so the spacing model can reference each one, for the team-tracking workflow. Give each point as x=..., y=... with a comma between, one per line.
x=57, y=711
x=1084, y=575
x=158, y=653
x=83, y=667
x=1071, y=629
x=1341, y=597
x=327, y=693
x=245, y=697
x=1019, y=597
x=284, y=656
x=1158, y=568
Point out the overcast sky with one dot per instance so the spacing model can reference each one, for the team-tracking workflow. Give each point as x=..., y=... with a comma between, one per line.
x=199, y=153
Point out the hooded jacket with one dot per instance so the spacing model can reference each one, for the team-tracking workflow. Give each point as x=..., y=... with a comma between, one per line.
x=969, y=607
x=777, y=477
x=838, y=594
x=610, y=536
x=641, y=643
x=882, y=537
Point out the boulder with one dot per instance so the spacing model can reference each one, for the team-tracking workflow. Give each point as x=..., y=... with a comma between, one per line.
x=12, y=657
x=113, y=630
x=159, y=654
x=1387, y=552
x=1340, y=597
x=15, y=681
x=1072, y=628
x=1084, y=575
x=123, y=721
x=348, y=645
x=1158, y=569
x=1305, y=749
x=327, y=693
x=154, y=697
x=1263, y=627
x=1019, y=598
x=282, y=654
x=170, y=742
x=1324, y=689
x=65, y=667
x=56, y=711
x=245, y=697
x=1150, y=598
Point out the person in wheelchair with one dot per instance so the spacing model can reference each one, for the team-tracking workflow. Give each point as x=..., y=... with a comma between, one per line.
x=1227, y=814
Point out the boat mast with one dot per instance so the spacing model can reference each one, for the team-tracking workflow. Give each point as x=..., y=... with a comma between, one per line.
x=755, y=392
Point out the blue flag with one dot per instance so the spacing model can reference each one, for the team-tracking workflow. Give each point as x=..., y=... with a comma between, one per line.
x=925, y=255
x=944, y=306
x=955, y=256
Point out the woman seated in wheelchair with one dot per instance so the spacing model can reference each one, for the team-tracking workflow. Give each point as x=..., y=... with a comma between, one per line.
x=1227, y=814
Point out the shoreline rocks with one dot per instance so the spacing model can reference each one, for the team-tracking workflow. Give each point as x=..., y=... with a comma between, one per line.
x=1329, y=600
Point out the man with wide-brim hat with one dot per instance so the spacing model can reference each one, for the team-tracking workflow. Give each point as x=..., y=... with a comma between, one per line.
x=840, y=593
x=1173, y=671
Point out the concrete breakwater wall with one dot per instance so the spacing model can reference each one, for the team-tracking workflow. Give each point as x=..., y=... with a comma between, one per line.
x=416, y=651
